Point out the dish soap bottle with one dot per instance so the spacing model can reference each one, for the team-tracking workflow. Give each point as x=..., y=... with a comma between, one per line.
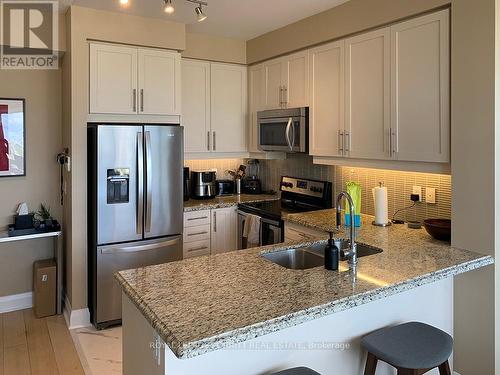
x=331, y=256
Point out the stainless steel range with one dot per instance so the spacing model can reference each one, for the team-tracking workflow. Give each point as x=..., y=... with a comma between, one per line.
x=135, y=207
x=297, y=195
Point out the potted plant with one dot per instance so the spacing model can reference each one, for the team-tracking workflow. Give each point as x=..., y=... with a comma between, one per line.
x=45, y=215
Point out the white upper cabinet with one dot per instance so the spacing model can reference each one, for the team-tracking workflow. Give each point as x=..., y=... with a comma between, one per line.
x=113, y=79
x=196, y=105
x=256, y=82
x=128, y=80
x=367, y=95
x=159, y=82
x=274, y=73
x=420, y=89
x=228, y=107
x=326, y=113
x=286, y=81
x=296, y=80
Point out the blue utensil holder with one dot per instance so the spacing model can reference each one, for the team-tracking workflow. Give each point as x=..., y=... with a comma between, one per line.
x=357, y=220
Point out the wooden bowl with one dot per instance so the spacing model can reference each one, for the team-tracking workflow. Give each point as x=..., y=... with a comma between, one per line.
x=440, y=229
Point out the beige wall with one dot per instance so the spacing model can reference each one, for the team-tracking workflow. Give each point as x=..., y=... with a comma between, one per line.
x=213, y=48
x=93, y=24
x=42, y=91
x=348, y=18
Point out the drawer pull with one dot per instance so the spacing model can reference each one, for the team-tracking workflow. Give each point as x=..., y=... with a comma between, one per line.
x=198, y=249
x=197, y=233
x=197, y=218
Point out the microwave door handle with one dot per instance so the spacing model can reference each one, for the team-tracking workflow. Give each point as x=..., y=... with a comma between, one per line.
x=293, y=136
x=287, y=133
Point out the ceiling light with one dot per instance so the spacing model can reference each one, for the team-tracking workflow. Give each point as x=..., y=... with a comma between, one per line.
x=199, y=14
x=169, y=8
x=123, y=2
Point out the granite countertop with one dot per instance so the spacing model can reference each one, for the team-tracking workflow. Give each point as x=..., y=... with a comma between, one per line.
x=226, y=201
x=203, y=304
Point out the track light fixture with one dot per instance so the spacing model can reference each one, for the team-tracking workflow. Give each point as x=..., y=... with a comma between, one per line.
x=169, y=8
x=200, y=16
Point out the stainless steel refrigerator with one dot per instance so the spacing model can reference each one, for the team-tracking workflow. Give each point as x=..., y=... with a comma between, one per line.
x=135, y=207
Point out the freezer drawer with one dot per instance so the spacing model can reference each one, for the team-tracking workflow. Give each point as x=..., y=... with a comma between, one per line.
x=113, y=258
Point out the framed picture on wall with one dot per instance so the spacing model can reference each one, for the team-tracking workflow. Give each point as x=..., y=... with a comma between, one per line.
x=12, y=137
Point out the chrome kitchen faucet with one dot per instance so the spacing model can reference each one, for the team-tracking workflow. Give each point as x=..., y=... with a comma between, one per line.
x=351, y=253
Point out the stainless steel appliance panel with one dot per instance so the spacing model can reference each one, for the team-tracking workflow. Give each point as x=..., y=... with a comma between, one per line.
x=113, y=258
x=119, y=148
x=283, y=130
x=164, y=162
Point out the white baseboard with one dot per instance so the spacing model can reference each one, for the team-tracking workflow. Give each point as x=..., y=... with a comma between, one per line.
x=16, y=302
x=75, y=318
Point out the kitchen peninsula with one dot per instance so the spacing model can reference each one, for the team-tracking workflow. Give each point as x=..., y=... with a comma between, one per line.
x=201, y=312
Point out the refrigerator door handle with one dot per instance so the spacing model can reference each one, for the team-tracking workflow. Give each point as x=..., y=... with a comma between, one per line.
x=149, y=182
x=140, y=184
x=116, y=249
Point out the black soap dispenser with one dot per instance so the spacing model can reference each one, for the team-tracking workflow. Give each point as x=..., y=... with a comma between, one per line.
x=331, y=256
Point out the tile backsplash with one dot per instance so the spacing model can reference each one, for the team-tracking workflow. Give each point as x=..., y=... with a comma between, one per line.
x=222, y=165
x=399, y=184
x=295, y=165
x=399, y=187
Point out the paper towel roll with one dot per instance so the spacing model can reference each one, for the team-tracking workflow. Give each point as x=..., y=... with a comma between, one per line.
x=380, y=203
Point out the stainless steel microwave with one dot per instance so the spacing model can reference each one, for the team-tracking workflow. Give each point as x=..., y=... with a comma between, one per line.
x=284, y=130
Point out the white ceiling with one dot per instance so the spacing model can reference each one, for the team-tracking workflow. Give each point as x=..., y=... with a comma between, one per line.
x=241, y=19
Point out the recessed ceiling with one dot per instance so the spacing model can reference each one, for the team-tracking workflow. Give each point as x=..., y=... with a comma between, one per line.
x=241, y=19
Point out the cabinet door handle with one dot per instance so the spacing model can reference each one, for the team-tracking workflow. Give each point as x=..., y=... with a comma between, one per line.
x=142, y=100
x=340, y=139
x=196, y=234
x=134, y=100
x=347, y=147
x=215, y=144
x=208, y=141
x=281, y=96
x=285, y=96
x=198, y=249
x=215, y=222
x=197, y=218
x=394, y=146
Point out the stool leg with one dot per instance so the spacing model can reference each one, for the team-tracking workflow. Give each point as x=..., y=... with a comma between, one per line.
x=371, y=364
x=444, y=368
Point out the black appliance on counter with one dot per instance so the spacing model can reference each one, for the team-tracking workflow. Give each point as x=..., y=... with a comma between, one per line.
x=187, y=184
x=224, y=187
x=297, y=195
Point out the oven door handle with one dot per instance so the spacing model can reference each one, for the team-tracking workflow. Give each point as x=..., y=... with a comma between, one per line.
x=262, y=219
x=287, y=133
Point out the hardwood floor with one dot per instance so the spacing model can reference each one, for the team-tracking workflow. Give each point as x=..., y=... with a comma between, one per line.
x=36, y=346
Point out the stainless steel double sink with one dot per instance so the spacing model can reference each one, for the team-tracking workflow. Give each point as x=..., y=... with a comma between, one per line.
x=313, y=256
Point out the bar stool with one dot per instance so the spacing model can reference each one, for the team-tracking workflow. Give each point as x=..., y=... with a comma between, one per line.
x=297, y=371
x=413, y=348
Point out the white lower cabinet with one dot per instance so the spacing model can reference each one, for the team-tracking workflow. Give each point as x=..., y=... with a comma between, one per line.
x=224, y=230
x=299, y=233
x=210, y=232
x=196, y=233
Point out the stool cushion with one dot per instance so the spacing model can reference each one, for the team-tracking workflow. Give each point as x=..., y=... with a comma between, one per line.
x=297, y=371
x=411, y=345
